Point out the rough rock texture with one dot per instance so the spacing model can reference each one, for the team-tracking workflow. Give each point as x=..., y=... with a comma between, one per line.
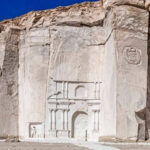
x=112, y=3
x=130, y=69
x=77, y=72
x=76, y=15
x=148, y=92
x=9, y=85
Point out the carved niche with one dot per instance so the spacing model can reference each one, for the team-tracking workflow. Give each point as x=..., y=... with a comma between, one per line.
x=35, y=130
x=132, y=55
x=80, y=92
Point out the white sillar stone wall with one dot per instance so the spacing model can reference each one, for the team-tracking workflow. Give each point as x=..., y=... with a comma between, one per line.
x=125, y=96
x=79, y=72
x=33, y=72
x=71, y=56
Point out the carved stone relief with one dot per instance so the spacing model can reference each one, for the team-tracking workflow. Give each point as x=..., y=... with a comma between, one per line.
x=79, y=125
x=81, y=92
x=132, y=55
x=96, y=120
x=35, y=130
x=63, y=108
x=75, y=90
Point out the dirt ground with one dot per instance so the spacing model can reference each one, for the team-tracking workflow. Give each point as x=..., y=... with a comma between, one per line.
x=38, y=146
x=131, y=147
x=44, y=146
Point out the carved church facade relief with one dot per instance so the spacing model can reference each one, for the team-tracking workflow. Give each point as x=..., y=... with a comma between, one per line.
x=77, y=75
x=73, y=85
x=73, y=110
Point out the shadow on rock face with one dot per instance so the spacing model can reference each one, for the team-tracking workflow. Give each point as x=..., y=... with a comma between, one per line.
x=141, y=119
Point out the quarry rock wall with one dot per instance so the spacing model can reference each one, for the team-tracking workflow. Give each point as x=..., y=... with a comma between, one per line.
x=77, y=72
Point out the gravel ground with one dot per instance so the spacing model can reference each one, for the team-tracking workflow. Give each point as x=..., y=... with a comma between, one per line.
x=131, y=147
x=38, y=146
x=58, y=146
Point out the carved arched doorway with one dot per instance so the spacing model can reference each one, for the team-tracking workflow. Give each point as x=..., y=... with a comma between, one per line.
x=79, y=125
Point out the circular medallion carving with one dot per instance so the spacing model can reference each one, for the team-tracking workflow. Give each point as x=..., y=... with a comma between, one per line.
x=132, y=55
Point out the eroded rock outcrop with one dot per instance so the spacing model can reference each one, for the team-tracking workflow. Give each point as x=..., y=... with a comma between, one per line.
x=88, y=14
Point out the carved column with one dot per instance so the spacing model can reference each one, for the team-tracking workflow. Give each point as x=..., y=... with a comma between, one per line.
x=62, y=119
x=50, y=119
x=54, y=120
x=99, y=90
x=56, y=89
x=63, y=89
x=95, y=89
x=96, y=116
x=96, y=120
x=66, y=119
x=66, y=90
